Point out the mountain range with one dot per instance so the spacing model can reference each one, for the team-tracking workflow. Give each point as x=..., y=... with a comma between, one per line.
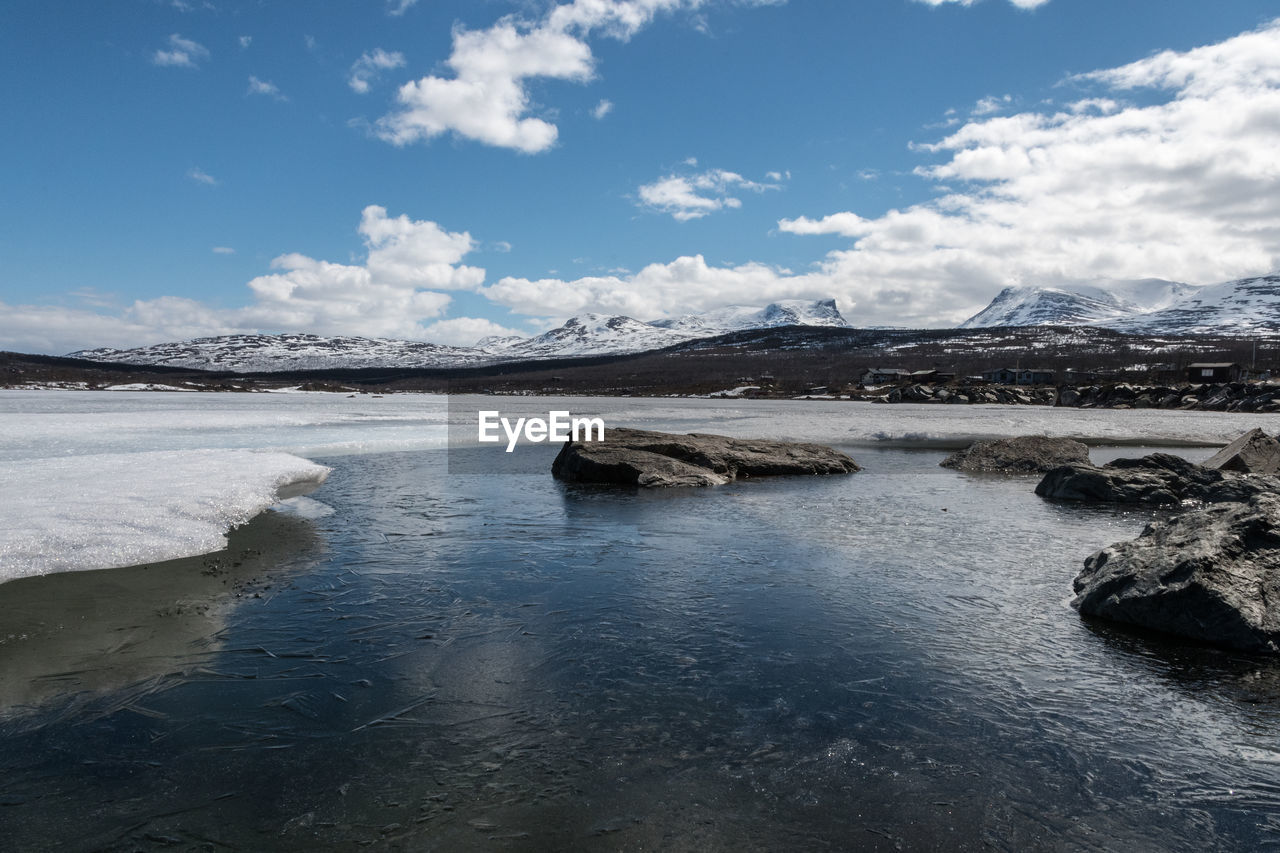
x=586, y=334
x=1241, y=308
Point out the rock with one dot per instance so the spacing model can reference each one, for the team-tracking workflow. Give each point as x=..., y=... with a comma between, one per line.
x=1212, y=574
x=1255, y=452
x=1069, y=397
x=644, y=458
x=1159, y=478
x=1027, y=454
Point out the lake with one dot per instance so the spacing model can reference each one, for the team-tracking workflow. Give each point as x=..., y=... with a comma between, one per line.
x=428, y=660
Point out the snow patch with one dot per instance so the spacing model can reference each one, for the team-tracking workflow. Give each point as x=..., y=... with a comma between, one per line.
x=103, y=511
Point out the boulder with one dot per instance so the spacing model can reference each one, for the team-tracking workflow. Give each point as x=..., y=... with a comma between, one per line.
x=1211, y=574
x=1026, y=454
x=1255, y=452
x=644, y=458
x=1159, y=478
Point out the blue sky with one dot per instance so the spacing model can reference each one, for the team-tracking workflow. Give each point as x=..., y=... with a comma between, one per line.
x=444, y=170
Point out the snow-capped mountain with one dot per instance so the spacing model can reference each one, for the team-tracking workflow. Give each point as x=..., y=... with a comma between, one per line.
x=1245, y=307
x=252, y=353
x=1077, y=304
x=594, y=334
x=1242, y=307
x=788, y=312
x=588, y=334
x=600, y=334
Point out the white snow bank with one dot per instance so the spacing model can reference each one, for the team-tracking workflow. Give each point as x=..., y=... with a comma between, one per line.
x=121, y=509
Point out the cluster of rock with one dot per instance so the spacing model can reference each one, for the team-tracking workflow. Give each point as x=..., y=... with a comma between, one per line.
x=1226, y=397
x=1211, y=573
x=1157, y=479
x=653, y=459
x=1013, y=395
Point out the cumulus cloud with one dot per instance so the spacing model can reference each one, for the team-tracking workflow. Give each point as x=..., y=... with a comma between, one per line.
x=409, y=262
x=467, y=331
x=245, y=41
x=1182, y=184
x=182, y=53
x=396, y=8
x=400, y=285
x=687, y=284
x=266, y=88
x=602, y=109
x=365, y=70
x=694, y=195
x=487, y=98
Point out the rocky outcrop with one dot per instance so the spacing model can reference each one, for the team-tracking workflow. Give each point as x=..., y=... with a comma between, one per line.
x=1025, y=454
x=644, y=458
x=1159, y=478
x=1212, y=574
x=1255, y=452
x=1263, y=397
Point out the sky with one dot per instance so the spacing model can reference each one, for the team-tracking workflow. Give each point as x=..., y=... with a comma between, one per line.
x=446, y=170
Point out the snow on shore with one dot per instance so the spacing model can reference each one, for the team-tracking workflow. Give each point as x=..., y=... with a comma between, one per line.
x=103, y=511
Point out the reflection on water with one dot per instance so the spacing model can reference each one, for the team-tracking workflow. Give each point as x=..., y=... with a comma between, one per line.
x=89, y=633
x=880, y=661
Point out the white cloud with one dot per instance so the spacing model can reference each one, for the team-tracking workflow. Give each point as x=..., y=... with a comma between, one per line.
x=687, y=284
x=466, y=331
x=693, y=196
x=396, y=8
x=398, y=287
x=1187, y=188
x=602, y=109
x=200, y=176
x=182, y=53
x=487, y=98
x=223, y=250
x=365, y=70
x=264, y=87
x=1021, y=4
x=245, y=41
x=991, y=104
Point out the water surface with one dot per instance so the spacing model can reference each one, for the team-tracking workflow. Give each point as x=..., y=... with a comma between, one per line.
x=879, y=661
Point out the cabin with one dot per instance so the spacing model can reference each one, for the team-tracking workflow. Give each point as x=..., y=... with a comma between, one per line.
x=1019, y=376
x=1214, y=371
x=884, y=375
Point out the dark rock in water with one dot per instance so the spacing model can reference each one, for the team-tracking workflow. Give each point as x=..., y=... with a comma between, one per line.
x=1212, y=574
x=1160, y=478
x=1255, y=452
x=644, y=458
x=1026, y=454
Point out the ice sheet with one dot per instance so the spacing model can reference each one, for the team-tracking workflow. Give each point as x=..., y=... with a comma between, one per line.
x=102, y=511
x=91, y=480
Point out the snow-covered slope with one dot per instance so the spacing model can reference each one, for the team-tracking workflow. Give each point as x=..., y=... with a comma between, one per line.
x=1244, y=307
x=1148, y=306
x=594, y=334
x=250, y=353
x=788, y=312
x=1077, y=304
x=599, y=334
